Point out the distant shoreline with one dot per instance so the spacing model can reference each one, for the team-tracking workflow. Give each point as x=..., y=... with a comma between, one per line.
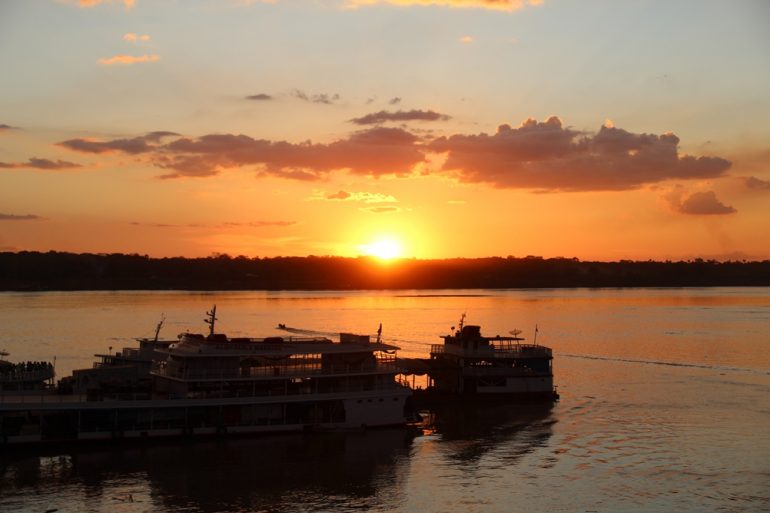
x=58, y=271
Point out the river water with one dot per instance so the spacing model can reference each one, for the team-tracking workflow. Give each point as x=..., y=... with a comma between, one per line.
x=665, y=406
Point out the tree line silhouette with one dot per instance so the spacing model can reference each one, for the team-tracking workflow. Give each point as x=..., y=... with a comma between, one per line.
x=30, y=271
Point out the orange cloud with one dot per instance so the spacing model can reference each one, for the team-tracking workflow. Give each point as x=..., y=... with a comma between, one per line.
x=128, y=59
x=133, y=38
x=93, y=3
x=548, y=157
x=501, y=5
x=466, y=39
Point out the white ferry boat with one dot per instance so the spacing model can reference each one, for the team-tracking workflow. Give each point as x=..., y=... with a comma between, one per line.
x=209, y=385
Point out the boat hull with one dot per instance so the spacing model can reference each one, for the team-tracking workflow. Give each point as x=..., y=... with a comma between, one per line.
x=31, y=422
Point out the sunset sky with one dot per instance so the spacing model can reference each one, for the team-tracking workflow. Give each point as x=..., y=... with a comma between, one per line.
x=602, y=130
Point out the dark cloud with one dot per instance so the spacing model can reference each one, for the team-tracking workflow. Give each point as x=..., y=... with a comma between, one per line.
x=4, y=127
x=259, y=97
x=24, y=217
x=133, y=146
x=754, y=183
x=698, y=203
x=377, y=151
x=327, y=99
x=394, y=101
x=540, y=156
x=38, y=163
x=549, y=157
x=410, y=115
x=160, y=135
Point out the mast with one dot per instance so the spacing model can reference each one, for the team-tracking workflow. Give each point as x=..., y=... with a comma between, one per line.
x=211, y=319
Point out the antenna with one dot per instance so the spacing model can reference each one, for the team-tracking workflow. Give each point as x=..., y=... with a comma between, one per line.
x=379, y=333
x=159, y=326
x=211, y=320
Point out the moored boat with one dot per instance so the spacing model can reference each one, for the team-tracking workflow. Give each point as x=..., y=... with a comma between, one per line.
x=471, y=366
x=214, y=385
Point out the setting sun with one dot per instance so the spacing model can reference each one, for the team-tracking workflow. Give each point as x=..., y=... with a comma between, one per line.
x=384, y=248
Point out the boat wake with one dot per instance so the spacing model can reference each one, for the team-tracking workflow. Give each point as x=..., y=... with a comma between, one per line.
x=669, y=364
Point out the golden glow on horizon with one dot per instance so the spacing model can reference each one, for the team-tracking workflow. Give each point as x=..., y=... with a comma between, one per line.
x=384, y=248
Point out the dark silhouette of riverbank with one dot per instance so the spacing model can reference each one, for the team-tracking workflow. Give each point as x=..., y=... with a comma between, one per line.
x=30, y=271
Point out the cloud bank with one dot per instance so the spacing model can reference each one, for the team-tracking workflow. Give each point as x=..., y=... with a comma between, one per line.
x=376, y=151
x=546, y=156
x=540, y=156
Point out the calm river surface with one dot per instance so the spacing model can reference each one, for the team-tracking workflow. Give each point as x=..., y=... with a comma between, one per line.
x=665, y=407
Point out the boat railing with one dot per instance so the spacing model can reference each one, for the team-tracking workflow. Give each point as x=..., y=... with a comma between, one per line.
x=496, y=349
x=28, y=376
x=33, y=398
x=44, y=396
x=279, y=371
x=282, y=391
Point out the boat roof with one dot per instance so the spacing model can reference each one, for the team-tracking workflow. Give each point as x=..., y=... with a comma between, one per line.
x=191, y=345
